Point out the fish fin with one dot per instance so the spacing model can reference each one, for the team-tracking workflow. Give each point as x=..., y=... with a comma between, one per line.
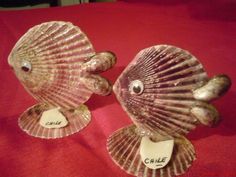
x=124, y=148
x=100, y=62
x=77, y=118
x=97, y=84
x=213, y=89
x=205, y=113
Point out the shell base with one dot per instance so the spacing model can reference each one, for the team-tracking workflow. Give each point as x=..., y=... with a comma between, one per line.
x=77, y=118
x=124, y=149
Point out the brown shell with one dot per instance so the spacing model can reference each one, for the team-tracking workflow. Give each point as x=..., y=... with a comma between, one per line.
x=124, y=146
x=56, y=51
x=29, y=121
x=169, y=76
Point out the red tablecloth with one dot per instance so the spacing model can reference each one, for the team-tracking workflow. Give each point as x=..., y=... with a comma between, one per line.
x=208, y=30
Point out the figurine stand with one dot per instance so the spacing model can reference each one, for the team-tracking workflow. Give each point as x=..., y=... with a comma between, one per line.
x=124, y=147
x=75, y=120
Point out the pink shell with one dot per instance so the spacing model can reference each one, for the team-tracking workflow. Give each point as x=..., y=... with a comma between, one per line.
x=29, y=122
x=124, y=146
x=56, y=52
x=169, y=75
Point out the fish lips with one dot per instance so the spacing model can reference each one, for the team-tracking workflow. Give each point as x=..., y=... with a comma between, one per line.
x=117, y=87
x=9, y=60
x=119, y=91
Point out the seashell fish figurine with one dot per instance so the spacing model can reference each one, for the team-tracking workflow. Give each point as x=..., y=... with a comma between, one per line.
x=58, y=66
x=166, y=92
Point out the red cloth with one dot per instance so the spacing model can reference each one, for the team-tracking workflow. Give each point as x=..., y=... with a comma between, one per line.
x=206, y=29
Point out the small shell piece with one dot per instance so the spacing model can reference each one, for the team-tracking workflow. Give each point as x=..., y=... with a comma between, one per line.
x=100, y=62
x=213, y=89
x=97, y=84
x=205, y=113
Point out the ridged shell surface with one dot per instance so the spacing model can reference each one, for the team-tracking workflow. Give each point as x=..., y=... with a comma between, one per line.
x=29, y=121
x=124, y=148
x=156, y=89
x=48, y=60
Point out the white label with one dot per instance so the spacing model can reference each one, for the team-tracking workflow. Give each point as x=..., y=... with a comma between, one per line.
x=156, y=155
x=53, y=118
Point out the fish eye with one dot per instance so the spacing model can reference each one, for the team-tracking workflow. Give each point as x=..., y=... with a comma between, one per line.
x=26, y=66
x=136, y=87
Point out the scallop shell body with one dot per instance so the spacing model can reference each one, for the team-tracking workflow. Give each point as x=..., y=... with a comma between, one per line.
x=53, y=54
x=156, y=89
x=124, y=148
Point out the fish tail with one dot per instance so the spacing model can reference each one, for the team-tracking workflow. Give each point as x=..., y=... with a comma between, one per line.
x=213, y=89
x=203, y=111
x=97, y=84
x=100, y=62
x=124, y=149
